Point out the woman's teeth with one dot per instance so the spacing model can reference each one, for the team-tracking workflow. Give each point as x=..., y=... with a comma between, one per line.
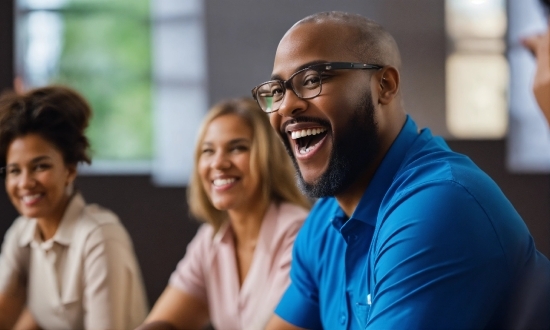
x=30, y=198
x=222, y=182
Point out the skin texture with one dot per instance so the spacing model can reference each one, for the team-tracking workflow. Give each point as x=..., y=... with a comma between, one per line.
x=333, y=40
x=35, y=167
x=345, y=163
x=539, y=45
x=225, y=156
x=36, y=171
x=325, y=42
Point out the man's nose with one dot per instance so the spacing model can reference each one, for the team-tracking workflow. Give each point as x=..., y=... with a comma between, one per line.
x=291, y=104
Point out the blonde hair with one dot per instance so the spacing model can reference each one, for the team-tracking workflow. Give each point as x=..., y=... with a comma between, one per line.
x=269, y=162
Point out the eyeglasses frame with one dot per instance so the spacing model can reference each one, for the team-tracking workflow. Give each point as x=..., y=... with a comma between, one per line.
x=321, y=67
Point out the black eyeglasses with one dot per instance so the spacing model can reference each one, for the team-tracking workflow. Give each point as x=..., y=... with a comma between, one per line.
x=305, y=83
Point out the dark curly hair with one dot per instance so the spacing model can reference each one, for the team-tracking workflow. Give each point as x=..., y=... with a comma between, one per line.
x=58, y=114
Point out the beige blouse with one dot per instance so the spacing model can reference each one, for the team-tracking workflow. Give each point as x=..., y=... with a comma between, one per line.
x=85, y=277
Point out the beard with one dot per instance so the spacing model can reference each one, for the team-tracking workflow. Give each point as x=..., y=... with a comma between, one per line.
x=352, y=153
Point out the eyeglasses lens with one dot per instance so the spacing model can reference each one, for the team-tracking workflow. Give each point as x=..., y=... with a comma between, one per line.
x=305, y=84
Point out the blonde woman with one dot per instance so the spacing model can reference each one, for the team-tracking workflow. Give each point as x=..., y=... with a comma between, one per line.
x=236, y=267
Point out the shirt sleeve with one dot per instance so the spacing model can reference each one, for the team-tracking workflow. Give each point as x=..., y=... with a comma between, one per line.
x=300, y=303
x=13, y=260
x=438, y=263
x=113, y=293
x=189, y=274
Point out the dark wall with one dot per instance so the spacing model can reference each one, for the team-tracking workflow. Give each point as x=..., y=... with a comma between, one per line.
x=242, y=37
x=6, y=42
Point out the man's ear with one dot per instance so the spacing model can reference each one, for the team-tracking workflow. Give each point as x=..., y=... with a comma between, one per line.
x=388, y=85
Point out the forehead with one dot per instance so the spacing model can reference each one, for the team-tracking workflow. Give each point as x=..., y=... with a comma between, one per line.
x=226, y=128
x=31, y=146
x=313, y=42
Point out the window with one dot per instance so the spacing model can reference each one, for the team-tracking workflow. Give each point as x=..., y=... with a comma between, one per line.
x=141, y=66
x=476, y=69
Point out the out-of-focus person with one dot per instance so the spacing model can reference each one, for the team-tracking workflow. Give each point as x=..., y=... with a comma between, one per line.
x=236, y=267
x=539, y=45
x=64, y=264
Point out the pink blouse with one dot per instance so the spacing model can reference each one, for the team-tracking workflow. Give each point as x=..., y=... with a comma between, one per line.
x=209, y=270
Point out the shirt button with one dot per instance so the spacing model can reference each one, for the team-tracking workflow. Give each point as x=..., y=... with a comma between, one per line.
x=342, y=319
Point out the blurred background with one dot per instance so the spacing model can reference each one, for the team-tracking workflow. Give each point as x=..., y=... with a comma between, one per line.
x=152, y=68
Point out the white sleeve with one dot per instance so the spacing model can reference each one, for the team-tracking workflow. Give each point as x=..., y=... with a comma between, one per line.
x=114, y=297
x=14, y=260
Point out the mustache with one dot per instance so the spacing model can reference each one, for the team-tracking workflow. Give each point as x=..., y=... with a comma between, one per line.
x=304, y=119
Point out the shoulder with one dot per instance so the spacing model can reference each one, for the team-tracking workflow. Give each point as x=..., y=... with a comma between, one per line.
x=318, y=224
x=322, y=213
x=434, y=168
x=96, y=224
x=447, y=200
x=289, y=214
x=20, y=233
x=205, y=242
x=18, y=236
x=19, y=226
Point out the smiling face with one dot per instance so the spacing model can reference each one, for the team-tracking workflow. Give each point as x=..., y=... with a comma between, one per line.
x=332, y=138
x=224, y=164
x=37, y=177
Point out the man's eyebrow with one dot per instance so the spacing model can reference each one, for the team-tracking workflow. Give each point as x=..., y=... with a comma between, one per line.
x=303, y=66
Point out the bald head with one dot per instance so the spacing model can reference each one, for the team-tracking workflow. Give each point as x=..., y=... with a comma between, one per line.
x=366, y=39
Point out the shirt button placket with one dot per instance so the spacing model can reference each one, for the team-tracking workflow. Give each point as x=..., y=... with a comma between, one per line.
x=343, y=319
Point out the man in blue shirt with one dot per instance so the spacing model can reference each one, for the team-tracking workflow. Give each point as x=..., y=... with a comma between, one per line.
x=407, y=234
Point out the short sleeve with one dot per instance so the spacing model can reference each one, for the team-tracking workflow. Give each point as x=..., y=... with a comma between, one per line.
x=300, y=303
x=189, y=275
x=13, y=259
x=438, y=263
x=114, y=296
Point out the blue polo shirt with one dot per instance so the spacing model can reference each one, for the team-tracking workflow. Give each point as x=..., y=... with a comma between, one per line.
x=432, y=244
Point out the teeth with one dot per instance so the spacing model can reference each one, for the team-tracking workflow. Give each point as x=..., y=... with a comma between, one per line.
x=305, y=132
x=304, y=151
x=222, y=182
x=30, y=198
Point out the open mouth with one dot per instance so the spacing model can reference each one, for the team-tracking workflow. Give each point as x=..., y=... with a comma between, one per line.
x=307, y=140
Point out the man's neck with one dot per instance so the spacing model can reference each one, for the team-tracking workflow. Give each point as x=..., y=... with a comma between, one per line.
x=349, y=199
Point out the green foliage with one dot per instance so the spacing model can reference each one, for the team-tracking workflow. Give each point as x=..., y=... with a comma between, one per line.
x=106, y=55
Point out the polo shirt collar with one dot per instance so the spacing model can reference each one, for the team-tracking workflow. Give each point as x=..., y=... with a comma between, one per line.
x=64, y=233
x=367, y=209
